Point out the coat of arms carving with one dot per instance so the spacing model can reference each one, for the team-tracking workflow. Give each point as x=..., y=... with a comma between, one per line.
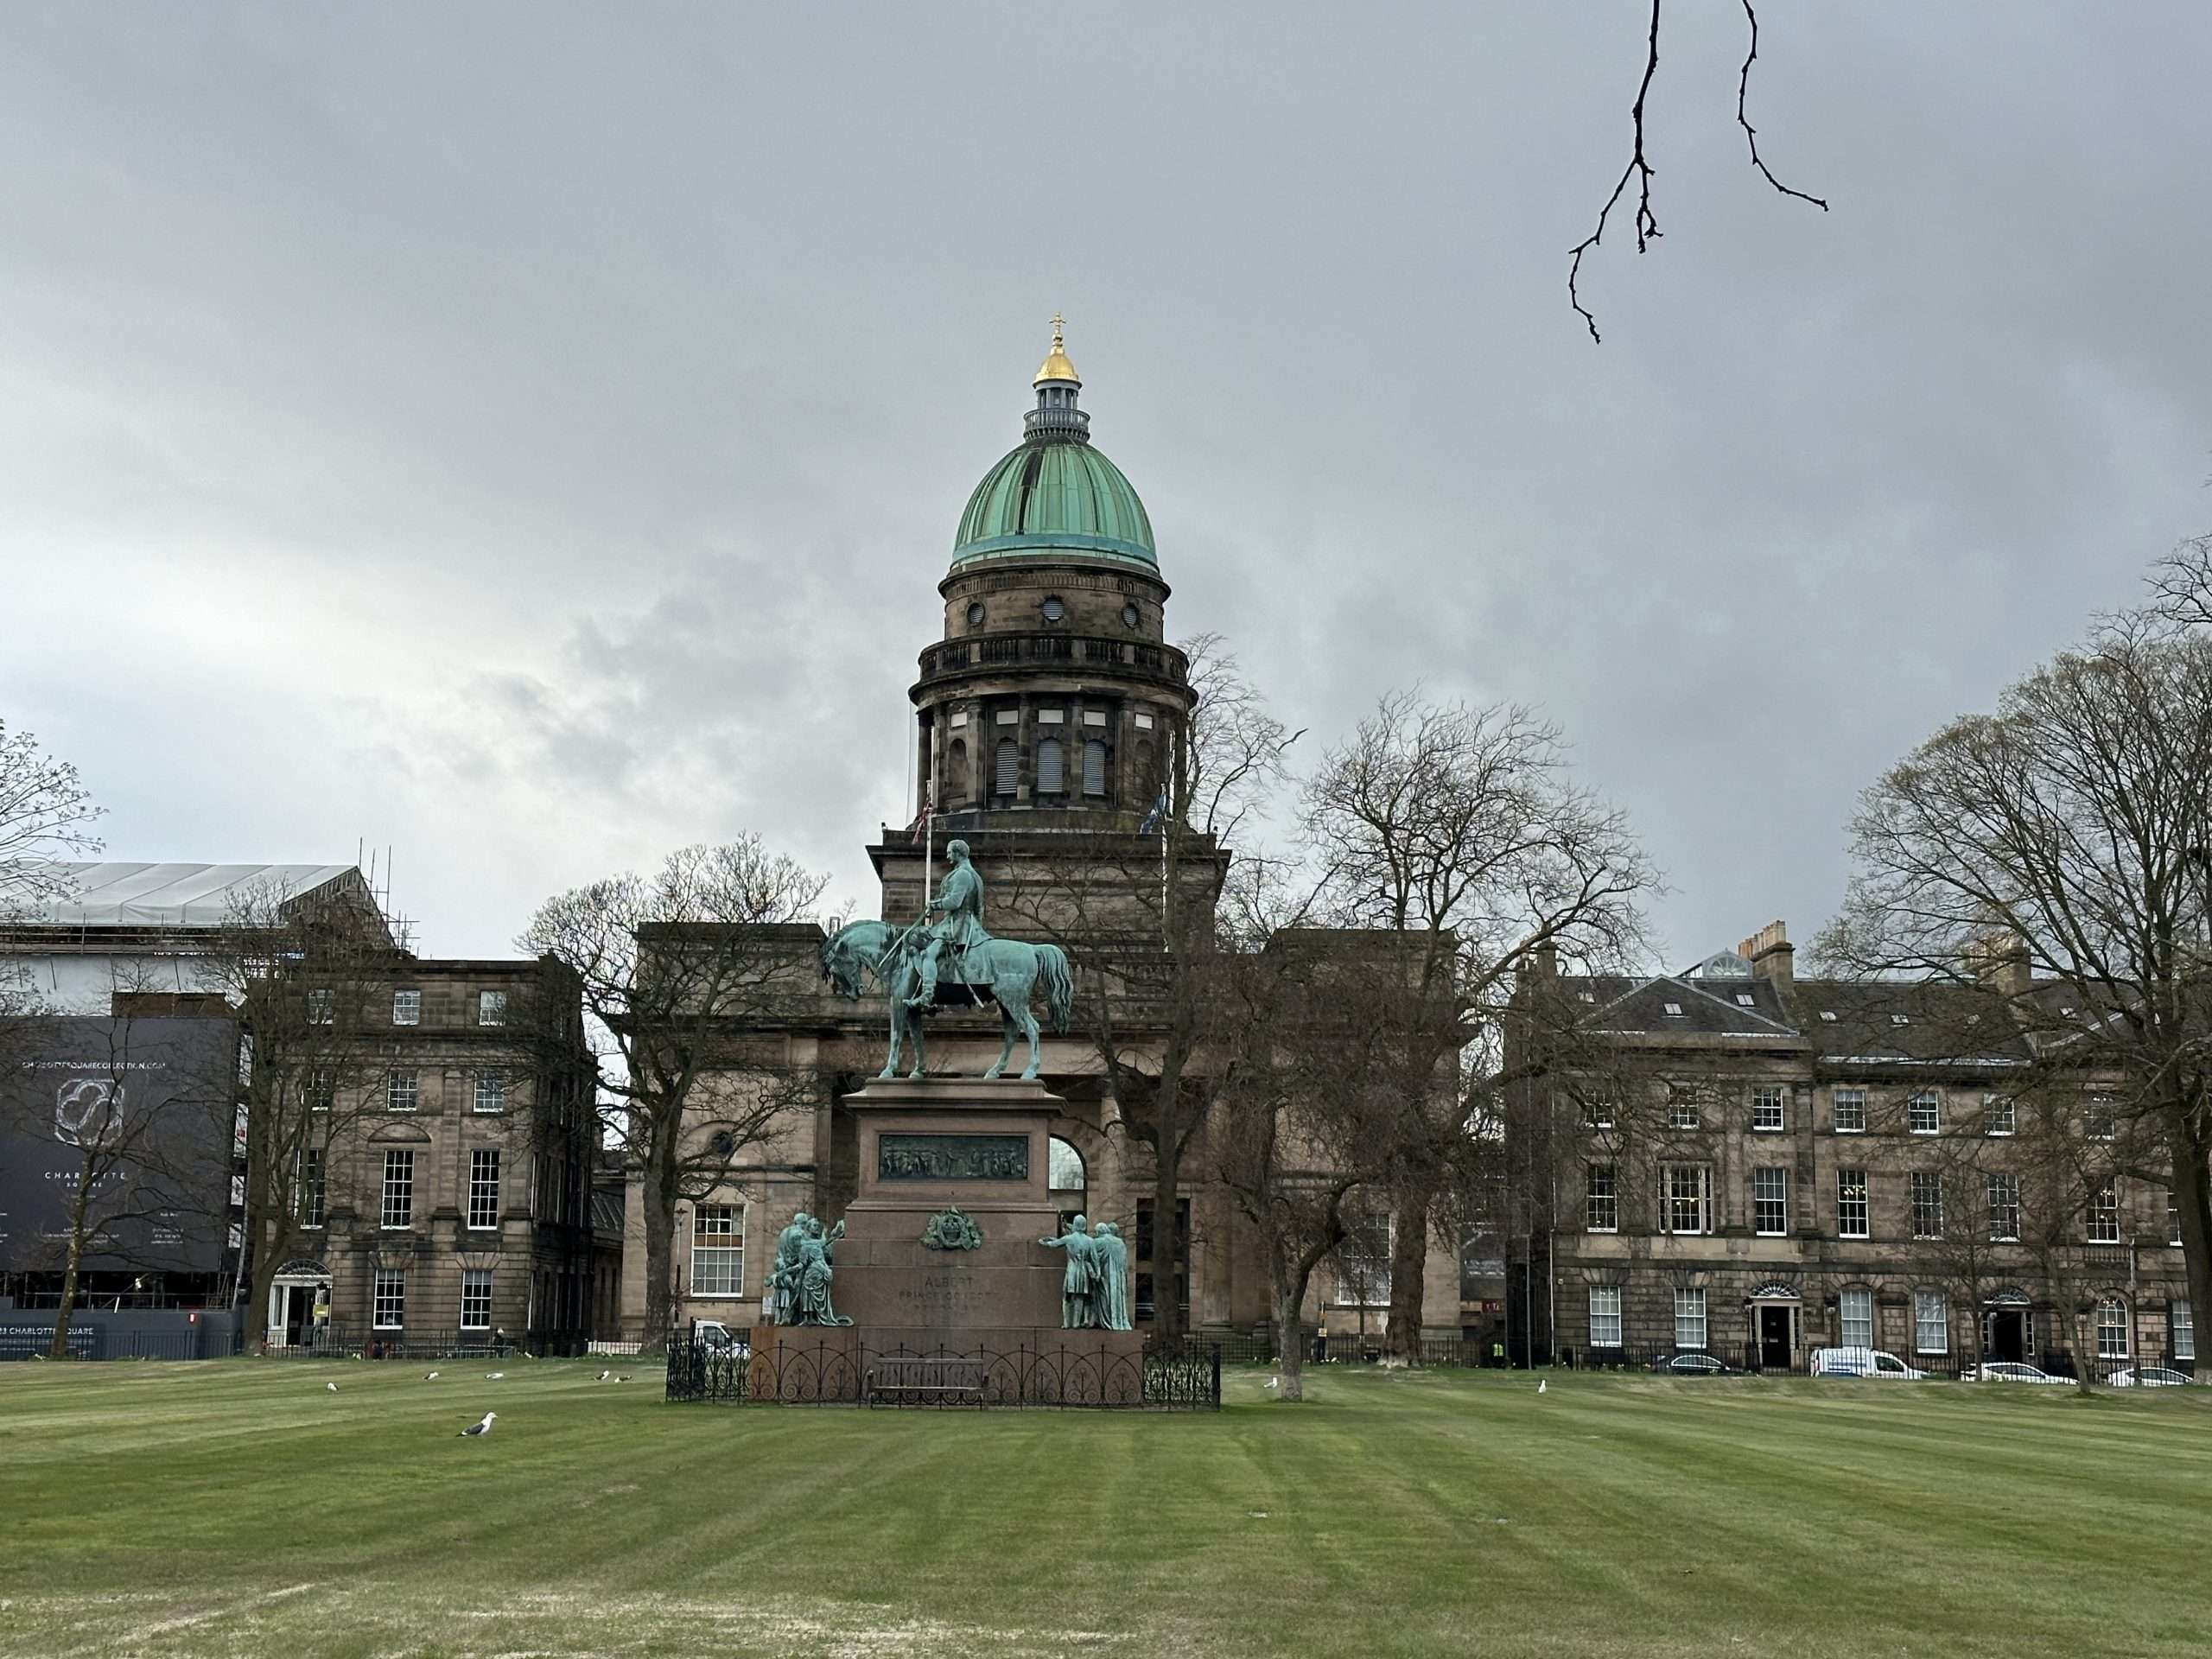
x=948, y=1230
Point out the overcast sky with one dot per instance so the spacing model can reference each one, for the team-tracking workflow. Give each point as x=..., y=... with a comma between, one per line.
x=529, y=438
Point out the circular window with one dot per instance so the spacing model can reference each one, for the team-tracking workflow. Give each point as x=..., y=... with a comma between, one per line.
x=1129, y=618
x=1054, y=610
x=974, y=613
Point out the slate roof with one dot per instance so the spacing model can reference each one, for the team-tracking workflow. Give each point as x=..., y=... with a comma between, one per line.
x=1895, y=1022
x=1708, y=1007
x=1844, y=1022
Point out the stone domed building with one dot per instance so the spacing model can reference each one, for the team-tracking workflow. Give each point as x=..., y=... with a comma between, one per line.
x=1047, y=711
x=1046, y=707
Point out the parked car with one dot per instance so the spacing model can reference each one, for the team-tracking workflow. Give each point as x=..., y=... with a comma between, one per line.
x=715, y=1335
x=1692, y=1365
x=2148, y=1377
x=1860, y=1361
x=2011, y=1370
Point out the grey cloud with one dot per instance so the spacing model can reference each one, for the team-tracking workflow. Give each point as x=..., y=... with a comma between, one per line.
x=482, y=431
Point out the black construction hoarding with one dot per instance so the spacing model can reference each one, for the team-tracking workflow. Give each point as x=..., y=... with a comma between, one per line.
x=145, y=1107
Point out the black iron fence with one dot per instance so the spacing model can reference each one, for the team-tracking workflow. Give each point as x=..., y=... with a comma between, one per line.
x=832, y=1370
x=339, y=1341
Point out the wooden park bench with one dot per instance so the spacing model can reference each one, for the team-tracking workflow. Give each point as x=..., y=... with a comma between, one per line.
x=915, y=1381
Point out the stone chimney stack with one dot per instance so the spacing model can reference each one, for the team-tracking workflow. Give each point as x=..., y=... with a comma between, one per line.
x=2000, y=961
x=1771, y=954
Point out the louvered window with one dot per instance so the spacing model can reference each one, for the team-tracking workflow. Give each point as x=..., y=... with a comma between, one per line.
x=1009, y=767
x=1094, y=767
x=1051, y=773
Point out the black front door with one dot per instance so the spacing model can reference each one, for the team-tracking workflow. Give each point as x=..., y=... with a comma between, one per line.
x=1774, y=1338
x=296, y=1310
x=2008, y=1336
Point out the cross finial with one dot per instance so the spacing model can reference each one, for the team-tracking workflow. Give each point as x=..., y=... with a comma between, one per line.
x=1059, y=322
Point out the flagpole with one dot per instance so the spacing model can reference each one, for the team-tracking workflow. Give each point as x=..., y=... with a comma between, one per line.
x=1175, y=742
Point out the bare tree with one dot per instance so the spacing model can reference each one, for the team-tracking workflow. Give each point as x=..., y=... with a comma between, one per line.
x=2059, y=851
x=46, y=813
x=1303, y=1116
x=676, y=971
x=2181, y=585
x=1960, y=1243
x=1138, y=917
x=1458, y=832
x=1640, y=169
x=310, y=983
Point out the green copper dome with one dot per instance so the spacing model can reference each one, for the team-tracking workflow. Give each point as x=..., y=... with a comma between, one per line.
x=1054, y=496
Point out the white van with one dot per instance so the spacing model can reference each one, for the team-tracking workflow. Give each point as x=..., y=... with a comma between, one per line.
x=715, y=1335
x=1860, y=1361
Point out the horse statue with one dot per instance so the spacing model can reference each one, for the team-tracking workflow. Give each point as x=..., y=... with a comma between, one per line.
x=1010, y=969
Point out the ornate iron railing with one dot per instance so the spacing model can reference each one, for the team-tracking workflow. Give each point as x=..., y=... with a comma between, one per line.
x=994, y=650
x=1073, y=1376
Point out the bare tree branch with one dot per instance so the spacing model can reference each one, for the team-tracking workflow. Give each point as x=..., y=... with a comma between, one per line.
x=2181, y=585
x=677, y=973
x=45, y=815
x=1639, y=166
x=1750, y=133
x=1647, y=224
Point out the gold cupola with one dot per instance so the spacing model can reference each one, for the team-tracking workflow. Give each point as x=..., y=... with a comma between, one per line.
x=1056, y=365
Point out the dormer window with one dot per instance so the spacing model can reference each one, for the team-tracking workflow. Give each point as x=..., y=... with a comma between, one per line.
x=1899, y=1020
x=1589, y=997
x=1672, y=1008
x=1745, y=1000
x=1829, y=1014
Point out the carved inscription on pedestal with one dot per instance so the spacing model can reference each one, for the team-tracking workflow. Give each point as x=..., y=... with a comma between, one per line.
x=953, y=1158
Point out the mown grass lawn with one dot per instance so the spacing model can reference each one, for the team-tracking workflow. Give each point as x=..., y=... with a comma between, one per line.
x=241, y=1509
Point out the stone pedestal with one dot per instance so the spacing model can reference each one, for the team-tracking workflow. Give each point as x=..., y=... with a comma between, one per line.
x=927, y=1144
x=988, y=1318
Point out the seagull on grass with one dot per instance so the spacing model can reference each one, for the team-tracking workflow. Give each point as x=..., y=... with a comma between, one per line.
x=1540, y=1384
x=493, y=1377
x=431, y=1376
x=603, y=1376
x=333, y=1387
x=484, y=1427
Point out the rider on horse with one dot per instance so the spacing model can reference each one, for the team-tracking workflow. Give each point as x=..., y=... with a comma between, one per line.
x=958, y=905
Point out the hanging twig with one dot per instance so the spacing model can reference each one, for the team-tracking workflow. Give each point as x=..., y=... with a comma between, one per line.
x=1639, y=167
x=1647, y=224
x=1750, y=133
